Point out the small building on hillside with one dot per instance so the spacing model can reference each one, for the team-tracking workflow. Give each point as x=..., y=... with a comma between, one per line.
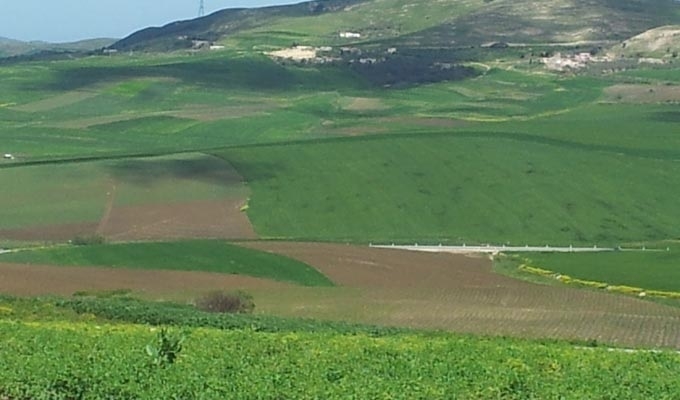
x=350, y=35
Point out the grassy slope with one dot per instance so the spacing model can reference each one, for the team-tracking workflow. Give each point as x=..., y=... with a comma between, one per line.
x=205, y=255
x=458, y=187
x=651, y=270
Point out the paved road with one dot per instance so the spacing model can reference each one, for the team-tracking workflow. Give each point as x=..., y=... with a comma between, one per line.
x=497, y=249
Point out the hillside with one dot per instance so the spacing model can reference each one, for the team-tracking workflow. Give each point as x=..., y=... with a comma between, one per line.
x=423, y=23
x=181, y=34
x=11, y=47
x=661, y=42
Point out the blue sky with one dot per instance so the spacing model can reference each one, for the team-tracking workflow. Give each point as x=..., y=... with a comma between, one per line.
x=71, y=20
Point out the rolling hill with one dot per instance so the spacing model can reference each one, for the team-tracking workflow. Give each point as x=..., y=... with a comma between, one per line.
x=423, y=23
x=11, y=47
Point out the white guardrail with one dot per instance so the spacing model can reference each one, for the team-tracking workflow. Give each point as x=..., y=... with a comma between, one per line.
x=496, y=249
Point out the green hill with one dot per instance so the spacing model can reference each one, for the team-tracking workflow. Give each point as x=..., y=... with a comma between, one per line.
x=11, y=47
x=424, y=23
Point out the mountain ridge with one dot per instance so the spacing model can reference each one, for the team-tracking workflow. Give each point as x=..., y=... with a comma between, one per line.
x=444, y=23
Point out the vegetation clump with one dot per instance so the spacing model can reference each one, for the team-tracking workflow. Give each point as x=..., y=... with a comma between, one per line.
x=88, y=240
x=238, y=302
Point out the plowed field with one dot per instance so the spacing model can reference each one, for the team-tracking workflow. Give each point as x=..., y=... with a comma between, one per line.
x=34, y=280
x=198, y=219
x=455, y=292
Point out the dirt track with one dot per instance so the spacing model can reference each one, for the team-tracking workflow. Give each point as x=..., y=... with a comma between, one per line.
x=455, y=292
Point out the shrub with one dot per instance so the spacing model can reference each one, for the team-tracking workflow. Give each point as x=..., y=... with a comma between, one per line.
x=87, y=240
x=225, y=302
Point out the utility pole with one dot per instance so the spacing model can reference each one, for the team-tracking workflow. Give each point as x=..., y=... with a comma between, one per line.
x=201, y=9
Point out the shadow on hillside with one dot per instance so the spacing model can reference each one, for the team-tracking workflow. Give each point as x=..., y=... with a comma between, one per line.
x=667, y=116
x=207, y=169
x=145, y=172
x=260, y=74
x=248, y=74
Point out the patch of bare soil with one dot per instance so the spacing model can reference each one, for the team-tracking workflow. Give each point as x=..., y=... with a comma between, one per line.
x=364, y=104
x=62, y=232
x=35, y=280
x=196, y=219
x=460, y=293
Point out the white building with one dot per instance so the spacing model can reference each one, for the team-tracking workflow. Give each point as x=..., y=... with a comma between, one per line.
x=350, y=35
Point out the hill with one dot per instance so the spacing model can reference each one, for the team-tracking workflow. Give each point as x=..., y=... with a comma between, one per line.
x=423, y=23
x=11, y=47
x=661, y=42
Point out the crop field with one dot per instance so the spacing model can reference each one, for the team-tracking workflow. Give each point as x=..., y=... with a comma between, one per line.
x=654, y=269
x=186, y=195
x=210, y=255
x=423, y=188
x=137, y=182
x=80, y=359
x=371, y=286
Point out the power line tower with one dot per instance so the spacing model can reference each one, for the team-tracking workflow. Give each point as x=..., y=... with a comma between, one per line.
x=201, y=8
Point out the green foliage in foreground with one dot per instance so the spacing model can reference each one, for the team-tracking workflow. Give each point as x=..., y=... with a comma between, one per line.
x=650, y=270
x=76, y=360
x=195, y=255
x=134, y=311
x=459, y=187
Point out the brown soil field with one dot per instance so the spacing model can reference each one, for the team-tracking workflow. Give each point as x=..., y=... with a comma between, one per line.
x=34, y=280
x=49, y=233
x=463, y=294
x=196, y=219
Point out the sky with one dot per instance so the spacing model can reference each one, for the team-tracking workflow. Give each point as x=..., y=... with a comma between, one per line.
x=72, y=20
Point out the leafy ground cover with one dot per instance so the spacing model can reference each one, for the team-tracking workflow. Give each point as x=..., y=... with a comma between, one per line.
x=457, y=188
x=69, y=360
x=654, y=269
x=197, y=255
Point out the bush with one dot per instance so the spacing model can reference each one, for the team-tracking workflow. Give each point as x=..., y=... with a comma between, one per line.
x=223, y=302
x=87, y=240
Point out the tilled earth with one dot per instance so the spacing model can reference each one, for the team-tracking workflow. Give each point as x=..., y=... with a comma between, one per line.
x=392, y=287
x=463, y=294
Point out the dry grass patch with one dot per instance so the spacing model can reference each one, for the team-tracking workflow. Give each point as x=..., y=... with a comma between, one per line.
x=642, y=94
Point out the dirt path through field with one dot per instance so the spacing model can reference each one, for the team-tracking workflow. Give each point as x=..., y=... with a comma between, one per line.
x=110, y=200
x=460, y=293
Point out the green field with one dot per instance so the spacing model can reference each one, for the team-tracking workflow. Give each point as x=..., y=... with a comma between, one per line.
x=465, y=187
x=439, y=124
x=66, y=193
x=651, y=270
x=203, y=255
x=66, y=356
